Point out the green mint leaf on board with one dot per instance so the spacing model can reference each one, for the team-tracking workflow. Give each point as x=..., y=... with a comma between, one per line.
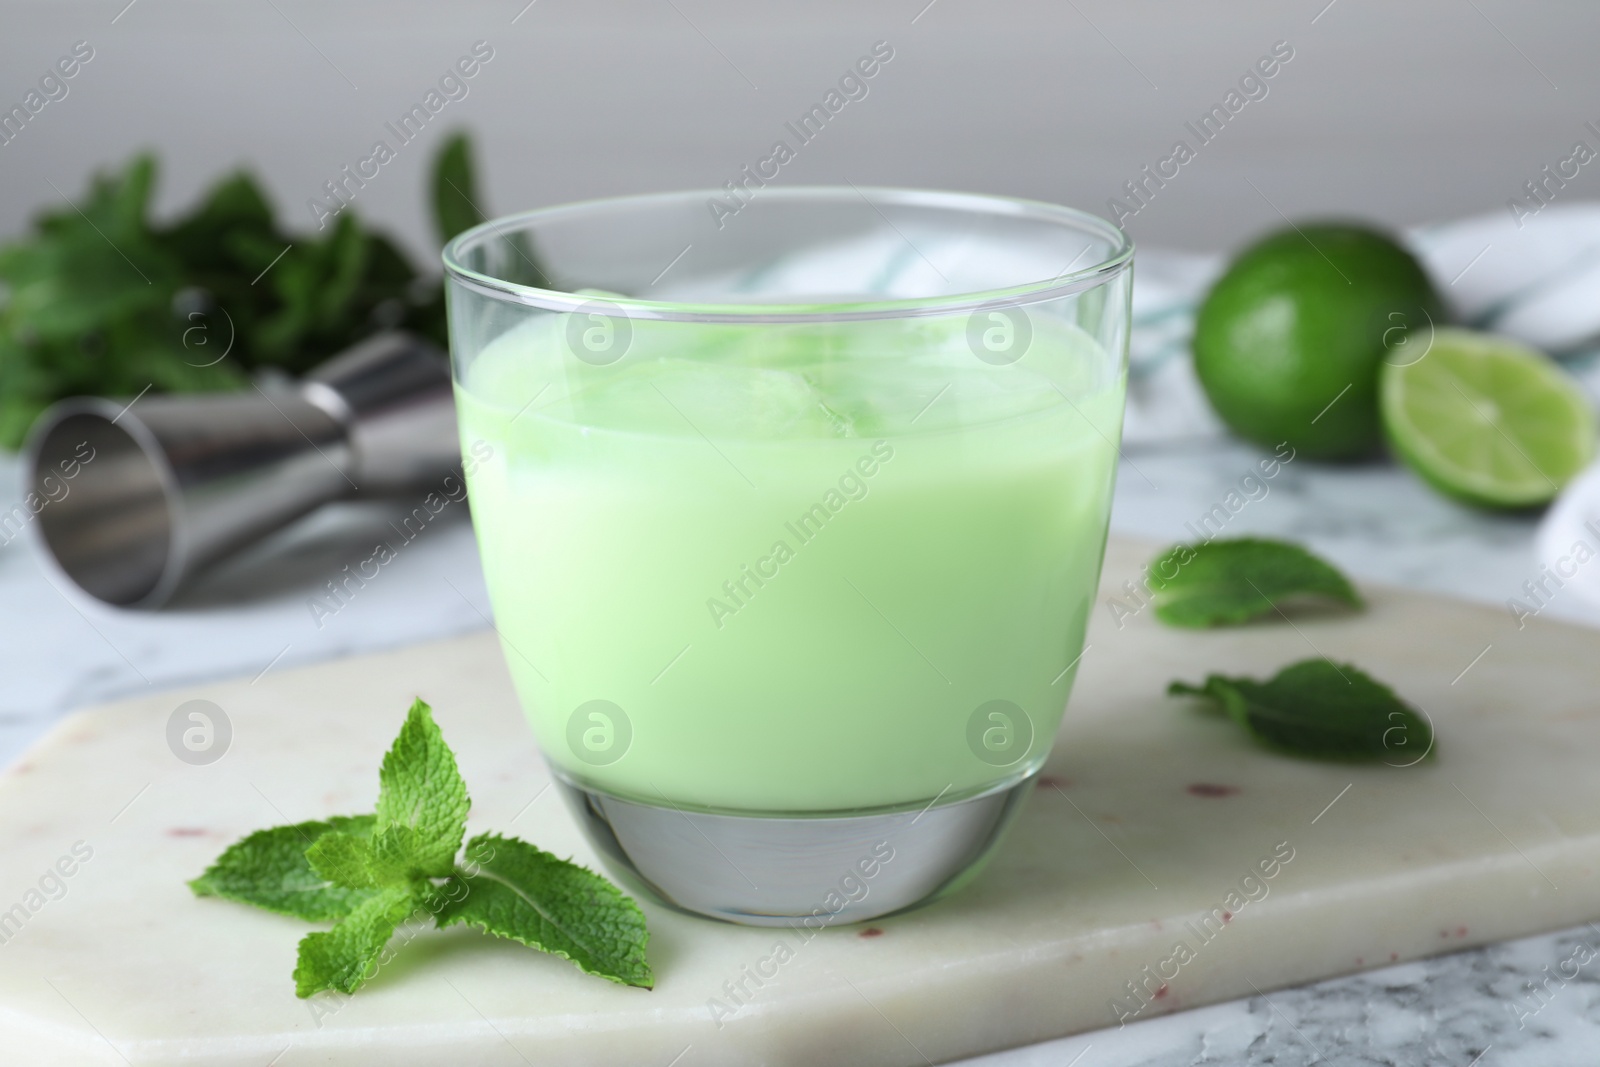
x=386, y=858
x=1323, y=710
x=346, y=956
x=269, y=869
x=512, y=889
x=1233, y=581
x=422, y=796
x=353, y=862
x=370, y=873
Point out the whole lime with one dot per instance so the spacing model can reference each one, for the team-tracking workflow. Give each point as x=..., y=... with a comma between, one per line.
x=1289, y=342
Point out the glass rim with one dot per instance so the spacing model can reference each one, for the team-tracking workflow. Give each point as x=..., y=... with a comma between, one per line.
x=1066, y=283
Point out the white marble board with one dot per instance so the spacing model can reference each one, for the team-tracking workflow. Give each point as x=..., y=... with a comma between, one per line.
x=1152, y=813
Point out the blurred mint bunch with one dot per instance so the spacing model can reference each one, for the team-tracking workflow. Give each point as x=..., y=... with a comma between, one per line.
x=99, y=300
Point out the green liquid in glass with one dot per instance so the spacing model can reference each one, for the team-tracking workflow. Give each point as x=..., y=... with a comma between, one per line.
x=800, y=559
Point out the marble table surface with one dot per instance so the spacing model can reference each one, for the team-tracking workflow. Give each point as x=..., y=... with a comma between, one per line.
x=59, y=652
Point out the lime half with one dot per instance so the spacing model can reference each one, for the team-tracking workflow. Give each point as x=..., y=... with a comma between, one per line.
x=1487, y=421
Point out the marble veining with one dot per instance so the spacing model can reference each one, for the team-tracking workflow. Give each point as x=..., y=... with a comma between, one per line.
x=1479, y=1007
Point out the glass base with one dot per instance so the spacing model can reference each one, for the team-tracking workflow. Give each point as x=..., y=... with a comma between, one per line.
x=773, y=870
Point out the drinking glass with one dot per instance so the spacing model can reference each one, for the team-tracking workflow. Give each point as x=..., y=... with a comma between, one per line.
x=792, y=507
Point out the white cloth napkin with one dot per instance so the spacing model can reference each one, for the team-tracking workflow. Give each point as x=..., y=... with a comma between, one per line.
x=1568, y=546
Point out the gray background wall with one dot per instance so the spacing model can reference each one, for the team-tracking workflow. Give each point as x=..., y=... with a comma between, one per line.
x=1400, y=111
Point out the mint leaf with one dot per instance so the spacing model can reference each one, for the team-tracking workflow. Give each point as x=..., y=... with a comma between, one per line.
x=269, y=869
x=455, y=189
x=161, y=309
x=421, y=793
x=1233, y=581
x=384, y=859
x=372, y=872
x=1322, y=710
x=352, y=862
x=517, y=891
x=346, y=956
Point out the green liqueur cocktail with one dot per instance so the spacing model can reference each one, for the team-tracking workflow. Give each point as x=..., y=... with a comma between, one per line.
x=772, y=576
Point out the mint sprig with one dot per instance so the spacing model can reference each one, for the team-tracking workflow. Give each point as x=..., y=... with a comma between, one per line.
x=1224, y=582
x=369, y=874
x=1322, y=710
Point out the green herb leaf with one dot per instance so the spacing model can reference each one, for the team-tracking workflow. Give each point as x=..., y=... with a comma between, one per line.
x=1322, y=710
x=100, y=300
x=269, y=869
x=455, y=189
x=1233, y=581
x=348, y=955
x=421, y=791
x=372, y=872
x=353, y=863
x=456, y=201
x=512, y=889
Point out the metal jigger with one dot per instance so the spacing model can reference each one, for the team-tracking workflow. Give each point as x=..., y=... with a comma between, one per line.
x=162, y=488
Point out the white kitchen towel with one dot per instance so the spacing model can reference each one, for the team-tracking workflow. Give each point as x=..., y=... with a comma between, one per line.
x=1568, y=546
